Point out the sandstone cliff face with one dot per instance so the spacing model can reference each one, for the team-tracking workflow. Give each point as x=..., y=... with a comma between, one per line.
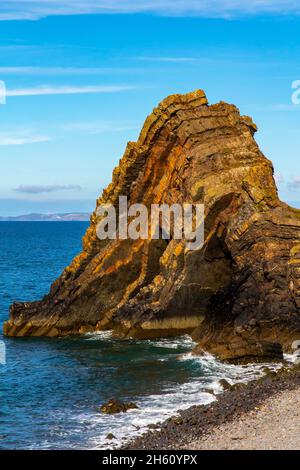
x=235, y=295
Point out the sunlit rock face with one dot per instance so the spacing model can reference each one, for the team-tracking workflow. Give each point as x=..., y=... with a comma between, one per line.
x=236, y=294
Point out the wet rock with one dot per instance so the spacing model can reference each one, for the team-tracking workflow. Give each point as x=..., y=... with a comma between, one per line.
x=237, y=386
x=136, y=427
x=248, y=350
x=269, y=372
x=115, y=406
x=110, y=436
x=208, y=390
x=177, y=420
x=225, y=384
x=153, y=426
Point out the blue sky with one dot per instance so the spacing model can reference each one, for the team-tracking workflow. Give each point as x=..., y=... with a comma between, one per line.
x=81, y=77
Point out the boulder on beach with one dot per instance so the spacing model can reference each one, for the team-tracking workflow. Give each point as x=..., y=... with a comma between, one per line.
x=115, y=406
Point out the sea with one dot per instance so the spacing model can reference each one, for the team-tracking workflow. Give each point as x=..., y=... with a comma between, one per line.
x=51, y=390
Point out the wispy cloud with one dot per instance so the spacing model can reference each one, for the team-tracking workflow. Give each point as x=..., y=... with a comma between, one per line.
x=168, y=59
x=35, y=9
x=67, y=90
x=294, y=184
x=6, y=139
x=29, y=70
x=32, y=189
x=276, y=107
x=22, y=135
x=279, y=178
x=97, y=127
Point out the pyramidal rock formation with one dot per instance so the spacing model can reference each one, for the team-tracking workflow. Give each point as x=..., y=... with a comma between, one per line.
x=239, y=295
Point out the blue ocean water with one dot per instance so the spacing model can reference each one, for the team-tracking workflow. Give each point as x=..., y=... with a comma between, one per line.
x=51, y=389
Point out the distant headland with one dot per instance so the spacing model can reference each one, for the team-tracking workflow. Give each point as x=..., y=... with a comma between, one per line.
x=65, y=217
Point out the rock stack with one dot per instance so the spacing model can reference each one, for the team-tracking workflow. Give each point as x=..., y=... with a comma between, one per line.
x=239, y=295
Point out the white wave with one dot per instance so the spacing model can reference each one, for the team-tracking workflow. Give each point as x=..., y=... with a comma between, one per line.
x=182, y=342
x=291, y=357
x=214, y=368
x=152, y=410
x=98, y=335
x=156, y=408
x=173, y=343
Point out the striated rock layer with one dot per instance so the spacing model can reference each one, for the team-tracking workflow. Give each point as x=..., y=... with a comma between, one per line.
x=238, y=295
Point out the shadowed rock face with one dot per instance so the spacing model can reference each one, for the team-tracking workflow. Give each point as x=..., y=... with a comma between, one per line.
x=237, y=294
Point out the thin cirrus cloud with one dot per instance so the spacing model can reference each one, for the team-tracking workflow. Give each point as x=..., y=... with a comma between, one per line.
x=22, y=139
x=97, y=127
x=67, y=90
x=21, y=136
x=279, y=178
x=294, y=184
x=167, y=59
x=32, y=189
x=69, y=71
x=36, y=9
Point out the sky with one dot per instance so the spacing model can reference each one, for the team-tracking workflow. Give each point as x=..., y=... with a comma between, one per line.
x=81, y=77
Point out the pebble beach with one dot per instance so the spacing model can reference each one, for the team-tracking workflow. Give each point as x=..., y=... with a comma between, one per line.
x=262, y=415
